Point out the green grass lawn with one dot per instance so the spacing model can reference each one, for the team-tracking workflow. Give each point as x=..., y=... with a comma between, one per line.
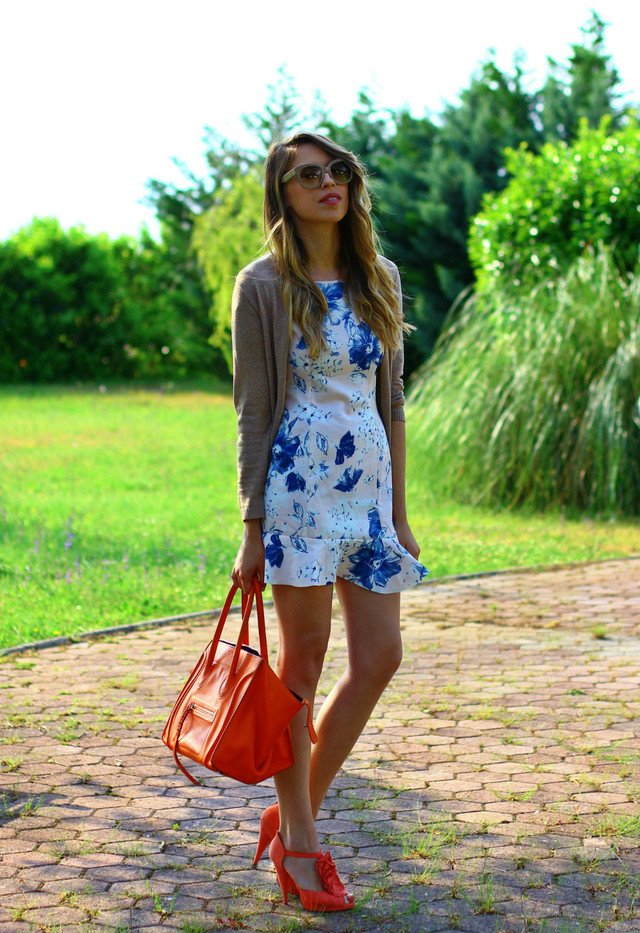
x=119, y=505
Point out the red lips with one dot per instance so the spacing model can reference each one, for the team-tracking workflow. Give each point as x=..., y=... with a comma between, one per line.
x=331, y=194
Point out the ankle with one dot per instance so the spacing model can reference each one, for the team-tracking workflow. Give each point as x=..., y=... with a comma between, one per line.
x=299, y=839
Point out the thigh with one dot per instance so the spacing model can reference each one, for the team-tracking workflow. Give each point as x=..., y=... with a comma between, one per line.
x=304, y=616
x=372, y=620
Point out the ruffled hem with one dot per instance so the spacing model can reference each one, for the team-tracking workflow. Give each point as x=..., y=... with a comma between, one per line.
x=380, y=564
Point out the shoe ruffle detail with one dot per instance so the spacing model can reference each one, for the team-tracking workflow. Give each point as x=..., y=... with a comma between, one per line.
x=329, y=877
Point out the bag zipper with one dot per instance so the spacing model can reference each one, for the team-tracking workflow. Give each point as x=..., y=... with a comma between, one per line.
x=202, y=711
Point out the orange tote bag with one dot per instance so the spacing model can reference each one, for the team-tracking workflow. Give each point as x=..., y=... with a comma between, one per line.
x=233, y=713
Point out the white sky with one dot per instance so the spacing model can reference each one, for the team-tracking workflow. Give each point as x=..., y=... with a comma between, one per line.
x=98, y=97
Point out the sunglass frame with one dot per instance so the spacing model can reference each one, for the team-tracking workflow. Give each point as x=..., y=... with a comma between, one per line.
x=323, y=168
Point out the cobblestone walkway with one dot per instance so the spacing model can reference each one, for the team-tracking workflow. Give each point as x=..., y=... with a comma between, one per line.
x=497, y=787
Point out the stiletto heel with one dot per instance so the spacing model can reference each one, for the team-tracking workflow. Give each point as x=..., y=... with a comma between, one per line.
x=286, y=883
x=332, y=897
x=269, y=826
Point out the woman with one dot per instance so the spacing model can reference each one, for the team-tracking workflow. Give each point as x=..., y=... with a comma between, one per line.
x=317, y=334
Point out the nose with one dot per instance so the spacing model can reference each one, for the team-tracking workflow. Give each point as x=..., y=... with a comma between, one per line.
x=327, y=174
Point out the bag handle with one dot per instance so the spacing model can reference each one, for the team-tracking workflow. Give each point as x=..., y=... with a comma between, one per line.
x=244, y=631
x=243, y=637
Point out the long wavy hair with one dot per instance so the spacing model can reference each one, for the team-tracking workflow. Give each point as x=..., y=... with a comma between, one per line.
x=369, y=285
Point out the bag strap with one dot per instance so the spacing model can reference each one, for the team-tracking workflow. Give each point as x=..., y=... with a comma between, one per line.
x=243, y=637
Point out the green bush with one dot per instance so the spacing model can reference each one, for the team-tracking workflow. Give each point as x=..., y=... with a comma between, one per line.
x=74, y=306
x=535, y=398
x=557, y=204
x=167, y=313
x=61, y=301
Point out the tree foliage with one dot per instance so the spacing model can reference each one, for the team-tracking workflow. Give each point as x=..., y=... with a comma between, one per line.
x=226, y=237
x=430, y=174
x=61, y=301
x=163, y=308
x=583, y=89
x=78, y=306
x=558, y=203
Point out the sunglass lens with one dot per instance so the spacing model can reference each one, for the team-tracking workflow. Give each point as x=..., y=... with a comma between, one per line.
x=310, y=176
x=341, y=173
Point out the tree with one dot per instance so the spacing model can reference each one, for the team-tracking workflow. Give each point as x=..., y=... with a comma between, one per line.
x=584, y=88
x=169, y=324
x=61, y=306
x=283, y=114
x=226, y=237
x=430, y=178
x=199, y=251
x=557, y=204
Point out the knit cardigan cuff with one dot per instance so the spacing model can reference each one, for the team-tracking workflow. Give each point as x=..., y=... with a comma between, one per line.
x=397, y=413
x=251, y=508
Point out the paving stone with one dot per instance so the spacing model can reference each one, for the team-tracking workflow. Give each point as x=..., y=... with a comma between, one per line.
x=452, y=745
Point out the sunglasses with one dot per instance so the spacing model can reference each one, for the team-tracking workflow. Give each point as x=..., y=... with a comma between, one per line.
x=312, y=175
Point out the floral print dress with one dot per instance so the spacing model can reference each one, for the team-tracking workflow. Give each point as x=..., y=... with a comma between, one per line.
x=328, y=494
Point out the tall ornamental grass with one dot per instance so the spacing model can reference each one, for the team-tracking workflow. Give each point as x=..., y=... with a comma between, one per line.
x=535, y=398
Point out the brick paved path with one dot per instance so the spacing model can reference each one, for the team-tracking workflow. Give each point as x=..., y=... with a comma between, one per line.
x=496, y=789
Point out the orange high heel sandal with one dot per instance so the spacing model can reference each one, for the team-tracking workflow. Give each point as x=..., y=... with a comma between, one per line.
x=269, y=826
x=333, y=897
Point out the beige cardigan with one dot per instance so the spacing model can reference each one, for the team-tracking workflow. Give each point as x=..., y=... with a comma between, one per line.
x=260, y=344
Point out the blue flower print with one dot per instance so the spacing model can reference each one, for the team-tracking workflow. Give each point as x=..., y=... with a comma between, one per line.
x=365, y=348
x=285, y=449
x=328, y=501
x=299, y=543
x=295, y=481
x=332, y=291
x=375, y=528
x=301, y=384
x=346, y=447
x=374, y=563
x=321, y=442
x=274, y=551
x=348, y=480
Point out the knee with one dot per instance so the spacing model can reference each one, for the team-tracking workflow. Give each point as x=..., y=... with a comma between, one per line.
x=377, y=666
x=301, y=664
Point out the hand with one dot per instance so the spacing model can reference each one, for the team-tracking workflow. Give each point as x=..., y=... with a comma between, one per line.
x=406, y=538
x=249, y=561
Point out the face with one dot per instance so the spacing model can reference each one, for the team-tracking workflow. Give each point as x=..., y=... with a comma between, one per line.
x=327, y=204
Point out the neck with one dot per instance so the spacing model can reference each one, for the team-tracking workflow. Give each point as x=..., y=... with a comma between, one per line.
x=322, y=246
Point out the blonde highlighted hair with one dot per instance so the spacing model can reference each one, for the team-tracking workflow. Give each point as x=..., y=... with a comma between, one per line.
x=369, y=285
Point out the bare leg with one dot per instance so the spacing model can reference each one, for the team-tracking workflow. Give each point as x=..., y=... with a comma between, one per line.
x=372, y=623
x=304, y=621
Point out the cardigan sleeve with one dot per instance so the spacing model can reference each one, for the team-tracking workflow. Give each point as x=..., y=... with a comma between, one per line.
x=397, y=365
x=251, y=401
